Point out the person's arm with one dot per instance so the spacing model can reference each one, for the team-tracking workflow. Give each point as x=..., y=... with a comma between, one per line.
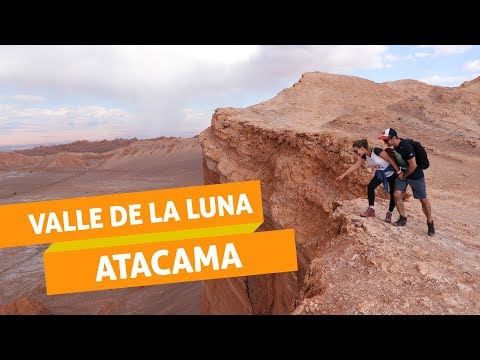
x=412, y=165
x=352, y=168
x=408, y=153
x=387, y=157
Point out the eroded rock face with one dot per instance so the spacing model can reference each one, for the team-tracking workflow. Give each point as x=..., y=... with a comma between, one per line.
x=297, y=143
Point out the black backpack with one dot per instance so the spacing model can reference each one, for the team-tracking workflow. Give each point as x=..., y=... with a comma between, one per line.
x=420, y=154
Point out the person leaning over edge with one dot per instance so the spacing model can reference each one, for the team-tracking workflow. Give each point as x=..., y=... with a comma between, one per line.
x=385, y=173
x=412, y=176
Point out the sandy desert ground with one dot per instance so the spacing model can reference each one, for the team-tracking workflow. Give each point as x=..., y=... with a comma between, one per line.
x=43, y=175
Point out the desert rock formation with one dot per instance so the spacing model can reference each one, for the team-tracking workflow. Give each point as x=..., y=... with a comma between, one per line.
x=79, y=147
x=140, y=165
x=297, y=144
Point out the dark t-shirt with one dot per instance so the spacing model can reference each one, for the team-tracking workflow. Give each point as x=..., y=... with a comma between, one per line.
x=407, y=152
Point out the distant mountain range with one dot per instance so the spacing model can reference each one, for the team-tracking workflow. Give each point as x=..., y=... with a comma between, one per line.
x=80, y=146
x=6, y=148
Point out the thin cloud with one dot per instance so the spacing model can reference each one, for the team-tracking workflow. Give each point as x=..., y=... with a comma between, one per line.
x=394, y=58
x=391, y=58
x=443, y=50
x=421, y=54
x=443, y=80
x=28, y=98
x=473, y=65
x=194, y=115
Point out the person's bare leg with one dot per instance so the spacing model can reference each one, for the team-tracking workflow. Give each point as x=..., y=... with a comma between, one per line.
x=427, y=210
x=399, y=202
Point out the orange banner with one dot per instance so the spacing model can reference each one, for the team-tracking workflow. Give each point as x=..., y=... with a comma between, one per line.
x=177, y=213
x=68, y=271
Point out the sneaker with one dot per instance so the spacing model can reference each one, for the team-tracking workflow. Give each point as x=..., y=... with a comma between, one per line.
x=402, y=221
x=431, y=229
x=370, y=212
x=388, y=217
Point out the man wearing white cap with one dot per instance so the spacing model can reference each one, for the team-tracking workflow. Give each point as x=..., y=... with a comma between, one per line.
x=412, y=176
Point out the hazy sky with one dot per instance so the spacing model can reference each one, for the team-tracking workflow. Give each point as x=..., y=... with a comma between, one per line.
x=53, y=94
